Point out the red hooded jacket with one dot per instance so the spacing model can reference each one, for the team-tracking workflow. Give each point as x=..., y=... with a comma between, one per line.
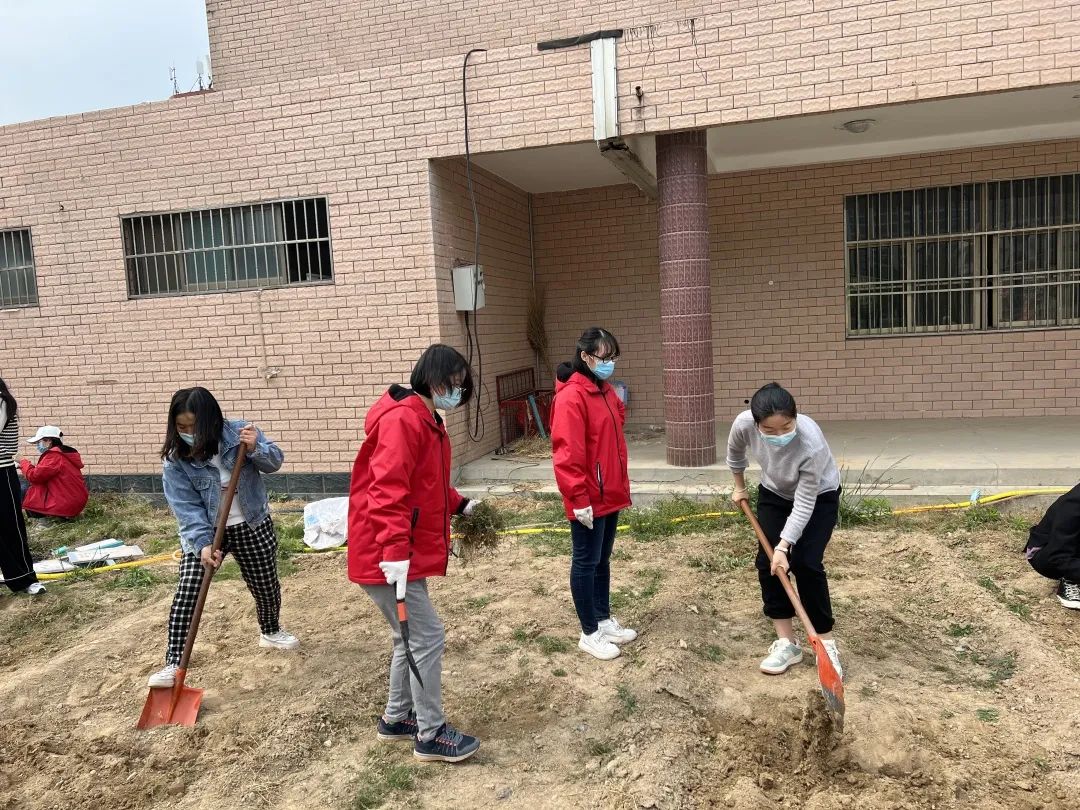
x=57, y=487
x=588, y=446
x=400, y=498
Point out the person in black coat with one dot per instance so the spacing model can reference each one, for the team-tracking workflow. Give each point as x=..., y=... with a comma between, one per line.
x=1053, y=547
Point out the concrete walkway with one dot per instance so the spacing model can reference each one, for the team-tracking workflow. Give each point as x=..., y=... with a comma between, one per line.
x=917, y=460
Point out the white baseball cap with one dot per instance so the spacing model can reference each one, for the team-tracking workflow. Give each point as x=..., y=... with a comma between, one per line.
x=45, y=432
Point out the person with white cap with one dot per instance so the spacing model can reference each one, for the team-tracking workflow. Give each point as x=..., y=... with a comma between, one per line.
x=16, y=564
x=56, y=487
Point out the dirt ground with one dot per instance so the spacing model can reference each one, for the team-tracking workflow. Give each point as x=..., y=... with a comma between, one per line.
x=962, y=687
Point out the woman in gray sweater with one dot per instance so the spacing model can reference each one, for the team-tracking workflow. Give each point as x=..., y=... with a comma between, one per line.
x=798, y=503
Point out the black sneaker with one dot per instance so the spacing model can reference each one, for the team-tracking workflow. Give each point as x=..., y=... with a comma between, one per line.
x=401, y=730
x=1069, y=594
x=448, y=745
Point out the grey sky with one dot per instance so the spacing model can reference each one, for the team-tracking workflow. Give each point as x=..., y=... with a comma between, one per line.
x=68, y=56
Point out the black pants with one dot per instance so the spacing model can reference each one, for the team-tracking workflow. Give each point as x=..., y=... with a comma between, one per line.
x=590, y=570
x=806, y=558
x=16, y=564
x=256, y=554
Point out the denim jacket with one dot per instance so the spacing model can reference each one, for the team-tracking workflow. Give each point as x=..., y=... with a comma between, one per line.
x=193, y=488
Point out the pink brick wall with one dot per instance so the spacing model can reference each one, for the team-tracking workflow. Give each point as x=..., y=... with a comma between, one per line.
x=698, y=62
x=504, y=254
x=778, y=295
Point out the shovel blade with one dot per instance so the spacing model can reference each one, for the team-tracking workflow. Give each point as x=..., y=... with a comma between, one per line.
x=832, y=685
x=164, y=706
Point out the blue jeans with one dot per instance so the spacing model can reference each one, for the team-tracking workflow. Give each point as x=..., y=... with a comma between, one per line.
x=590, y=570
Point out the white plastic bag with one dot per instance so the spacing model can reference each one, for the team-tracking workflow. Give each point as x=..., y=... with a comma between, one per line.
x=326, y=523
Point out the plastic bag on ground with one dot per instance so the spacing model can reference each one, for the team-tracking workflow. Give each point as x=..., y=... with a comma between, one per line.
x=326, y=523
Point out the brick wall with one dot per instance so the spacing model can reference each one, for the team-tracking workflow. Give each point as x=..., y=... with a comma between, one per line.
x=505, y=256
x=778, y=295
x=697, y=62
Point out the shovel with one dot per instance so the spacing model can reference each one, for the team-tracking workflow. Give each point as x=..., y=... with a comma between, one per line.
x=832, y=687
x=179, y=704
x=403, y=622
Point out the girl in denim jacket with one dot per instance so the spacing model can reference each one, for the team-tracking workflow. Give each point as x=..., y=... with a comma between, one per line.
x=199, y=453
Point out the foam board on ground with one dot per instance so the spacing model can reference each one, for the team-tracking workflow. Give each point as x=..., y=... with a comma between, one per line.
x=101, y=555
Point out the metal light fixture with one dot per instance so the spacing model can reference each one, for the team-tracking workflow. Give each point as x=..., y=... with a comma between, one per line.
x=858, y=126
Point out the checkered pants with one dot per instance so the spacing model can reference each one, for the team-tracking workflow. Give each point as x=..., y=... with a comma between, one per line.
x=256, y=554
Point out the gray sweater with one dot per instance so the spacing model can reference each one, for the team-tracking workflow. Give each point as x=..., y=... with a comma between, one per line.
x=799, y=472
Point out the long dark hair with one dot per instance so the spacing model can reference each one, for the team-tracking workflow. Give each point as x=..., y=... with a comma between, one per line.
x=597, y=342
x=9, y=401
x=437, y=367
x=770, y=399
x=209, y=422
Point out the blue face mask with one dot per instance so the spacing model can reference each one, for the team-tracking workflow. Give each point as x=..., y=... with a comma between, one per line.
x=189, y=438
x=447, y=402
x=43, y=446
x=604, y=369
x=780, y=441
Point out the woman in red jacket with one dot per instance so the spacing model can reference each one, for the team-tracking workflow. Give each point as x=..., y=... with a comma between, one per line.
x=56, y=488
x=400, y=503
x=590, y=459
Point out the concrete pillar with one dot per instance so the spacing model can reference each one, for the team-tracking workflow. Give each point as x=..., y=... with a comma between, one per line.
x=686, y=298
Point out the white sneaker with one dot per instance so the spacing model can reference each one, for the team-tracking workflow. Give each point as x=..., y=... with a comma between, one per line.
x=163, y=677
x=279, y=640
x=615, y=632
x=34, y=589
x=598, y=646
x=834, y=656
x=782, y=654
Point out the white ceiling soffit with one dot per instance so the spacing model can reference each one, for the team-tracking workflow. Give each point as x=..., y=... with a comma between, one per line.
x=553, y=168
x=924, y=126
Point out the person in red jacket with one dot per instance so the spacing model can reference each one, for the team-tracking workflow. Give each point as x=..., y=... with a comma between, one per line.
x=400, y=503
x=590, y=459
x=56, y=488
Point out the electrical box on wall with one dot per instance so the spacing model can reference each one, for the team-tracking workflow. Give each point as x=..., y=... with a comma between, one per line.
x=469, y=287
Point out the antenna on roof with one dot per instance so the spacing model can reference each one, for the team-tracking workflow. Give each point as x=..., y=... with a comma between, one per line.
x=199, y=71
x=172, y=77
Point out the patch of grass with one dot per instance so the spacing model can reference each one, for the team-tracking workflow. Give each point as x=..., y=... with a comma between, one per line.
x=230, y=570
x=549, y=544
x=523, y=635
x=286, y=567
x=671, y=516
x=960, y=630
x=49, y=615
x=125, y=517
x=627, y=701
x=721, y=560
x=598, y=748
x=627, y=596
x=503, y=649
x=550, y=644
x=538, y=589
x=1015, y=601
x=710, y=652
x=382, y=779
x=477, y=602
x=559, y=673
x=861, y=497
x=988, y=715
x=1002, y=666
x=141, y=580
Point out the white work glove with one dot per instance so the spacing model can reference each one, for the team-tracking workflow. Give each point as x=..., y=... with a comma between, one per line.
x=470, y=507
x=584, y=517
x=396, y=573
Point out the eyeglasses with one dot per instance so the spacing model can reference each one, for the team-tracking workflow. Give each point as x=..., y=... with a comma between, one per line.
x=611, y=357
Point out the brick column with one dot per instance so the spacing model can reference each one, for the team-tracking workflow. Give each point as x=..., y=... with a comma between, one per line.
x=686, y=298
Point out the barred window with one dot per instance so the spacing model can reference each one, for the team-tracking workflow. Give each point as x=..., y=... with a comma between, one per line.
x=242, y=247
x=18, y=282
x=973, y=257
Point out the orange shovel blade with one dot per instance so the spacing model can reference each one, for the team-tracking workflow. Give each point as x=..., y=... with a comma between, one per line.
x=178, y=705
x=832, y=686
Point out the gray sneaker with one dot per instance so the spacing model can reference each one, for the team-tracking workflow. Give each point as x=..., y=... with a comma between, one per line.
x=782, y=654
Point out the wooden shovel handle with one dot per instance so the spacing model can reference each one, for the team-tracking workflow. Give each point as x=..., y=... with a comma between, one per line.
x=219, y=538
x=784, y=580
